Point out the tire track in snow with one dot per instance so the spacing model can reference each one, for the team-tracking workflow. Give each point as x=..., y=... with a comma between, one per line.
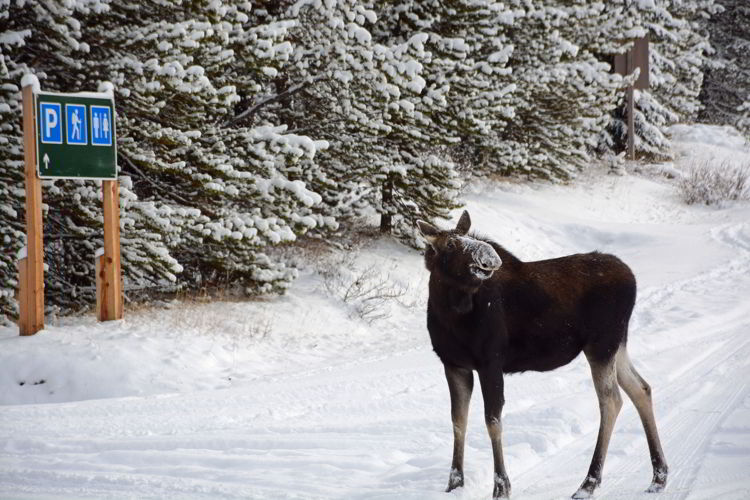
x=718, y=280
x=718, y=358
x=708, y=349
x=685, y=431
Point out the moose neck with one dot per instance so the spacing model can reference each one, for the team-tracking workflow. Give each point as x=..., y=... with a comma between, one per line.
x=450, y=296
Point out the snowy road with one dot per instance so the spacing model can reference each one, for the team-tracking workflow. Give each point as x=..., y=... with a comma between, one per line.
x=321, y=405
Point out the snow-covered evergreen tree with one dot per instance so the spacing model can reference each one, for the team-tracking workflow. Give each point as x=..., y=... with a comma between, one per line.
x=564, y=93
x=178, y=68
x=469, y=51
x=726, y=87
x=678, y=49
x=12, y=228
x=458, y=115
x=356, y=93
x=199, y=191
x=47, y=39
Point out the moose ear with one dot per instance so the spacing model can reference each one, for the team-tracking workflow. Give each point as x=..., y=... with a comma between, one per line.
x=464, y=223
x=429, y=231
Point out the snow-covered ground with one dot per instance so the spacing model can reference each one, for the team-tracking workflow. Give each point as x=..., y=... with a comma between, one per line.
x=309, y=396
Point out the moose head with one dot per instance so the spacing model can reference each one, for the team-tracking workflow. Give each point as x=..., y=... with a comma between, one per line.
x=455, y=254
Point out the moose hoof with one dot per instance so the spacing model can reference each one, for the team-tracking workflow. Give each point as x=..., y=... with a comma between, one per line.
x=659, y=482
x=587, y=488
x=502, y=487
x=455, y=480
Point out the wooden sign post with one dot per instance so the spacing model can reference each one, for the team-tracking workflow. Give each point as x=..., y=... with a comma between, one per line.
x=625, y=64
x=31, y=267
x=69, y=136
x=108, y=271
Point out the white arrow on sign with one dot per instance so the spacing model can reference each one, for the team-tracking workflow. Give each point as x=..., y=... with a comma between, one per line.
x=46, y=161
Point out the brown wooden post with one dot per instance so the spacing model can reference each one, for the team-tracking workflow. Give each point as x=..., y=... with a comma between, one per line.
x=31, y=272
x=109, y=272
x=625, y=64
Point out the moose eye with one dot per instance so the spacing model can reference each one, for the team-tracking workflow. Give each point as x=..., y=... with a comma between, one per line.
x=450, y=245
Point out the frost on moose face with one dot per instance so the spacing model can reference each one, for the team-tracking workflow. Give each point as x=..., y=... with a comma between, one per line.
x=459, y=253
x=485, y=259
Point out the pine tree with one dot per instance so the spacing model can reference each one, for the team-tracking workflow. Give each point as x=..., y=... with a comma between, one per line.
x=678, y=48
x=48, y=41
x=356, y=93
x=459, y=113
x=199, y=191
x=469, y=51
x=727, y=80
x=179, y=64
x=565, y=93
x=12, y=229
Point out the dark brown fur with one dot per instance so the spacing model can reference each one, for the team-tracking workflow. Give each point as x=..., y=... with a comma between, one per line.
x=528, y=316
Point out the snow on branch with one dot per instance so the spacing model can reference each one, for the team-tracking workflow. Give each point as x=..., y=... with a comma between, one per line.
x=290, y=91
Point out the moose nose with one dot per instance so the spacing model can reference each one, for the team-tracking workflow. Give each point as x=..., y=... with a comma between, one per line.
x=487, y=258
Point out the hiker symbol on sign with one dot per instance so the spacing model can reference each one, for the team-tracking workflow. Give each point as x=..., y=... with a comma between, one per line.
x=76, y=124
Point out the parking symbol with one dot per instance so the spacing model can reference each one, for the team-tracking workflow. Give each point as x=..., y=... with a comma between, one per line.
x=76, y=124
x=51, y=122
x=101, y=126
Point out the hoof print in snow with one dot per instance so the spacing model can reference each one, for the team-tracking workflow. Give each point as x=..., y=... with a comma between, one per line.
x=38, y=382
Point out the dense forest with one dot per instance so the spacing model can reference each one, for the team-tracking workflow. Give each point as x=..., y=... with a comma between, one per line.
x=244, y=126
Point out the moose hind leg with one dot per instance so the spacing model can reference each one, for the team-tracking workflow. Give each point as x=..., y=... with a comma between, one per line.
x=610, y=402
x=639, y=393
x=460, y=385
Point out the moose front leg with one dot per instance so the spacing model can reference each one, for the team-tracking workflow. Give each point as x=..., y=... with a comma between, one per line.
x=460, y=385
x=491, y=380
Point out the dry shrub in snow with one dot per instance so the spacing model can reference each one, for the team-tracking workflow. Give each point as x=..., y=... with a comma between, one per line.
x=713, y=184
x=367, y=291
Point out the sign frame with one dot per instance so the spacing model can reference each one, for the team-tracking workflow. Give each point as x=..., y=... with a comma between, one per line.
x=109, y=282
x=99, y=160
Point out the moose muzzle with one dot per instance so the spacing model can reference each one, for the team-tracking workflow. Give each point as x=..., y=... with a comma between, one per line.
x=485, y=259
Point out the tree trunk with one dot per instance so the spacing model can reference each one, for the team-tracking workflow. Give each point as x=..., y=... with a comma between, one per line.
x=386, y=217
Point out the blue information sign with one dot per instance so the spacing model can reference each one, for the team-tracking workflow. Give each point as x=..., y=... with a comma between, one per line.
x=76, y=136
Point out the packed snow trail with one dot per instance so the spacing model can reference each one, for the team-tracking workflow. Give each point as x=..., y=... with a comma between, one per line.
x=298, y=398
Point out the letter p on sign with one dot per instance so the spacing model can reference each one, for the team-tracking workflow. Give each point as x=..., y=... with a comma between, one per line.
x=51, y=123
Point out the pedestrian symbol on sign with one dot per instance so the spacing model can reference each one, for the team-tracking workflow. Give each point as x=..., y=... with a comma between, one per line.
x=76, y=124
x=101, y=126
x=51, y=123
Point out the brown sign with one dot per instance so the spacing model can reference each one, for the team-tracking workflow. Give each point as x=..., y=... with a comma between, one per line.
x=636, y=57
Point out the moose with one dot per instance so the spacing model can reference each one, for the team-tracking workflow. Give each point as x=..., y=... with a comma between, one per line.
x=492, y=313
